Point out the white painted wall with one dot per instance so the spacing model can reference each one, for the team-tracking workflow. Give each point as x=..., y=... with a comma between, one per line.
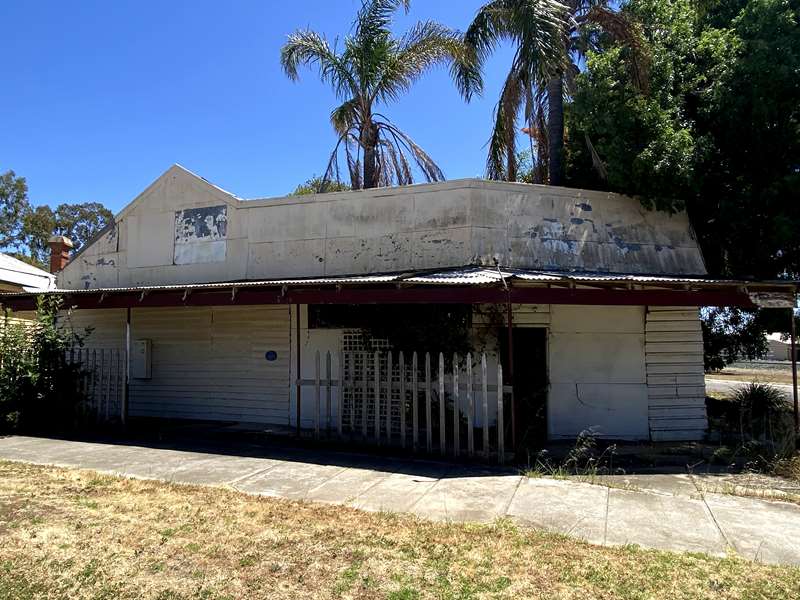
x=446, y=224
x=607, y=370
x=597, y=372
x=209, y=363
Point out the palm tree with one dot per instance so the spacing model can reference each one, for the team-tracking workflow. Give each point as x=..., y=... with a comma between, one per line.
x=373, y=68
x=550, y=37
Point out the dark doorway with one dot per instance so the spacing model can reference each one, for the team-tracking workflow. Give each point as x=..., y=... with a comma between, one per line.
x=530, y=385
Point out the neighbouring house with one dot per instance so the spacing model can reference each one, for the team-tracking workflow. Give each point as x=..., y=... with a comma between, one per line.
x=226, y=309
x=779, y=347
x=19, y=276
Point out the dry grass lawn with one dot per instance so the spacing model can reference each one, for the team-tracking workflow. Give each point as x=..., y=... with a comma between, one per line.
x=75, y=534
x=782, y=376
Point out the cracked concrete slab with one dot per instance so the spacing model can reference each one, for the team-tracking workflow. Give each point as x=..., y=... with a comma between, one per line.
x=661, y=521
x=759, y=530
x=221, y=470
x=398, y=492
x=572, y=508
x=472, y=498
x=347, y=486
x=293, y=480
x=665, y=484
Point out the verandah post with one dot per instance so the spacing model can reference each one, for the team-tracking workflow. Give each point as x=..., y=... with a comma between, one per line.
x=108, y=383
x=414, y=401
x=442, y=427
x=328, y=392
x=316, y=395
x=364, y=394
x=501, y=443
x=94, y=385
x=340, y=412
x=389, y=366
x=485, y=402
x=402, y=401
x=470, y=409
x=377, y=400
x=456, y=412
x=428, y=412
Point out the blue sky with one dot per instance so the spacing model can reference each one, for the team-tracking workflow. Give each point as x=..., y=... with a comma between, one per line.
x=99, y=98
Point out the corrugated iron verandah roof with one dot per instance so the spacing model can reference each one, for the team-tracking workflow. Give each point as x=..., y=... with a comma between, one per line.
x=464, y=285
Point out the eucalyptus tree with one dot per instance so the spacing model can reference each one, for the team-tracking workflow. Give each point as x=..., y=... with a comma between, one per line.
x=374, y=68
x=550, y=37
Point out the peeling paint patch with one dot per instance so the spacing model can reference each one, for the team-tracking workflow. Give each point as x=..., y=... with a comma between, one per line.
x=196, y=224
x=561, y=246
x=625, y=247
x=554, y=237
x=200, y=235
x=579, y=221
x=105, y=262
x=584, y=206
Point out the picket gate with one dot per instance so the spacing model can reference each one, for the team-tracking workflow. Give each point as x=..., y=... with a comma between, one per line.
x=425, y=404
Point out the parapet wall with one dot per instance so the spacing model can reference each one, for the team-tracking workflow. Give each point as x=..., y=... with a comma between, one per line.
x=182, y=229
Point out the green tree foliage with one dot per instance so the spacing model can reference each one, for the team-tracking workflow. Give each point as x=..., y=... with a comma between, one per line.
x=374, y=68
x=24, y=229
x=717, y=132
x=317, y=185
x=79, y=222
x=538, y=29
x=13, y=205
x=550, y=39
x=730, y=334
x=39, y=387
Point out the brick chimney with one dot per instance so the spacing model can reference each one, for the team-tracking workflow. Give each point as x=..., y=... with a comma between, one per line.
x=59, y=252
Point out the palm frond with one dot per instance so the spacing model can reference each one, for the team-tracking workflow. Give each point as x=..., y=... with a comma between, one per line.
x=371, y=42
x=306, y=48
x=353, y=154
x=372, y=67
x=597, y=162
x=429, y=169
x=536, y=111
x=501, y=162
x=375, y=16
x=332, y=170
x=345, y=116
x=626, y=32
x=424, y=46
x=537, y=27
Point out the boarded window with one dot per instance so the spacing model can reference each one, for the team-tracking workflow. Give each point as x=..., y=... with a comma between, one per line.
x=200, y=235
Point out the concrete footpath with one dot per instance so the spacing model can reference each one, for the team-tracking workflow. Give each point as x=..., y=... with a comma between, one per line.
x=657, y=511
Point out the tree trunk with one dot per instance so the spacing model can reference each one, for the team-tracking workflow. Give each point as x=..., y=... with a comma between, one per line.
x=369, y=142
x=555, y=130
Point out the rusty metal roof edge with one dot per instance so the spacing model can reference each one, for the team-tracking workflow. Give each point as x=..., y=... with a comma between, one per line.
x=471, y=275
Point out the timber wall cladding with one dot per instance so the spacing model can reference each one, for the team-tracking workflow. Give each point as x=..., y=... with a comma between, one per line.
x=102, y=357
x=210, y=363
x=675, y=378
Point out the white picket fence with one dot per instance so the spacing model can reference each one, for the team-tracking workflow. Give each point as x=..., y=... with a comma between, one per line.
x=385, y=399
x=103, y=381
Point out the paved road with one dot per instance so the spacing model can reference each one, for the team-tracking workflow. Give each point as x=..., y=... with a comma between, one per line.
x=664, y=511
x=727, y=386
